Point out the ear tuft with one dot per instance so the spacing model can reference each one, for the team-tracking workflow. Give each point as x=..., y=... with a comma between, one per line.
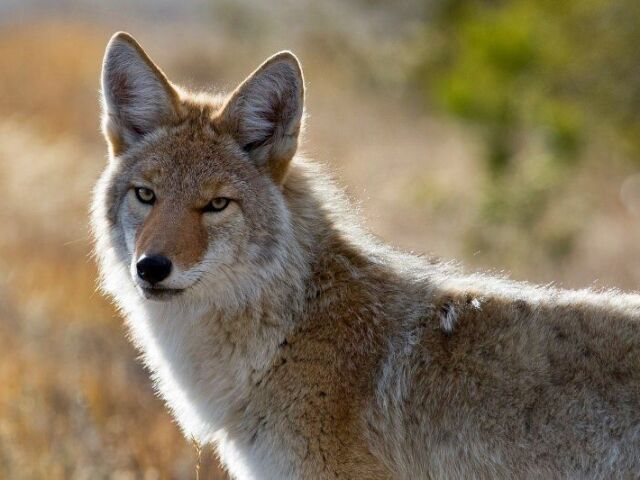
x=137, y=97
x=264, y=114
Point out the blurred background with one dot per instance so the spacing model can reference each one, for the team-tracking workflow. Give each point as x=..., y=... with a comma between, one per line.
x=505, y=134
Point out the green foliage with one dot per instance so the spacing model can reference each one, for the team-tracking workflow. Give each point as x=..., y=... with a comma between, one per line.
x=543, y=76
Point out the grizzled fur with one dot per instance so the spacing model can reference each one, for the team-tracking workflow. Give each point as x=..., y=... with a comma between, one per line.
x=303, y=348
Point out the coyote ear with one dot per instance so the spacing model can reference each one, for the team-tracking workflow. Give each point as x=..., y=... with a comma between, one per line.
x=264, y=114
x=136, y=96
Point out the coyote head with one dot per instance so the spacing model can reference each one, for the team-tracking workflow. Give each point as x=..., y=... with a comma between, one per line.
x=191, y=201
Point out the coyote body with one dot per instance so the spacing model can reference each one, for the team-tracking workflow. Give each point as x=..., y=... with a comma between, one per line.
x=301, y=347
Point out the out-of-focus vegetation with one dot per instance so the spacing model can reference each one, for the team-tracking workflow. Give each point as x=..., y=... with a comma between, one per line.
x=521, y=156
x=545, y=84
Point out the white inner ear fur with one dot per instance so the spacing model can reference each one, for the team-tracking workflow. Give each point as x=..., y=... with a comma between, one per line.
x=136, y=95
x=267, y=108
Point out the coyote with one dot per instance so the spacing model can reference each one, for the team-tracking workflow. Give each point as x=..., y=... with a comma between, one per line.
x=279, y=331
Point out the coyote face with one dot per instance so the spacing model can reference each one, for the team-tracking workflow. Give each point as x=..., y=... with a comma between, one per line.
x=194, y=182
x=195, y=214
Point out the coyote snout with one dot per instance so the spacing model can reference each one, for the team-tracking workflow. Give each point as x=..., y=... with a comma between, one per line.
x=163, y=259
x=153, y=268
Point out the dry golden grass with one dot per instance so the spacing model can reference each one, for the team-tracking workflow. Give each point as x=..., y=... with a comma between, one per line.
x=74, y=402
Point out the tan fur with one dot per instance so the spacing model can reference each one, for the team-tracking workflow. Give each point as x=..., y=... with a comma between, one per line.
x=305, y=349
x=173, y=232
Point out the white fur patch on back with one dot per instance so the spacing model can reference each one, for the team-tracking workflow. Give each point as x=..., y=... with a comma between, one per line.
x=450, y=313
x=448, y=318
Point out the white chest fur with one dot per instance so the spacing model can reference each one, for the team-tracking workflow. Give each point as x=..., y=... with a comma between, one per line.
x=197, y=369
x=204, y=373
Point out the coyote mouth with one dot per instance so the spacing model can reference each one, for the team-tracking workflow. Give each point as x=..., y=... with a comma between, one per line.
x=158, y=293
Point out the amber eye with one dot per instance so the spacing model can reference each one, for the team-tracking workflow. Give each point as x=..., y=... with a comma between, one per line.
x=217, y=204
x=145, y=195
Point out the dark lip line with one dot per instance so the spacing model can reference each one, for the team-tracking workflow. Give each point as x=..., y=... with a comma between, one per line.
x=160, y=292
x=163, y=289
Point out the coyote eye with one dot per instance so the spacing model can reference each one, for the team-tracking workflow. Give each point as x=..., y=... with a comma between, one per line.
x=145, y=195
x=217, y=204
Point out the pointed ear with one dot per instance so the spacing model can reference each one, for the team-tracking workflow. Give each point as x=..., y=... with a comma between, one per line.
x=264, y=114
x=137, y=98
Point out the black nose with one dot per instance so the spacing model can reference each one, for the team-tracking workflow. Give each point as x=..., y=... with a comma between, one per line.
x=153, y=268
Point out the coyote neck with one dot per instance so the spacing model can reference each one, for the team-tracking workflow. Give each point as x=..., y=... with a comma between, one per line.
x=205, y=362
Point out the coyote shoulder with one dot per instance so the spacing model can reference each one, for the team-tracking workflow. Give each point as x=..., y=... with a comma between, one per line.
x=279, y=331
